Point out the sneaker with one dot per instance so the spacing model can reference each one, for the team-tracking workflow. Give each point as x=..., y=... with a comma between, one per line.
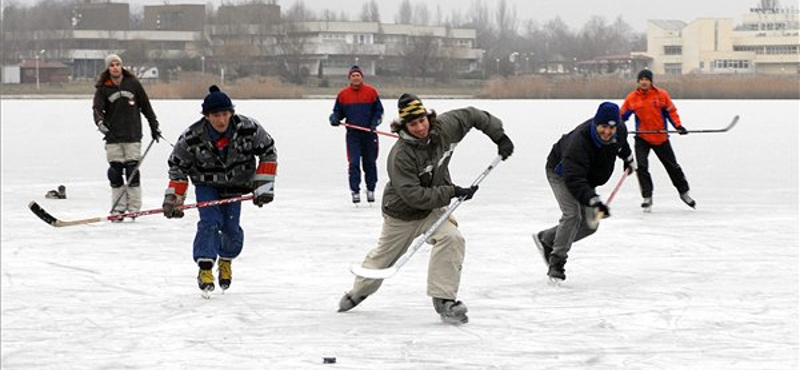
x=688, y=200
x=356, y=197
x=556, y=271
x=647, y=203
x=225, y=273
x=348, y=302
x=370, y=196
x=544, y=249
x=205, y=278
x=451, y=312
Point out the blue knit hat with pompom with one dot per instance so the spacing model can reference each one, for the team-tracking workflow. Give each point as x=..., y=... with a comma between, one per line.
x=216, y=101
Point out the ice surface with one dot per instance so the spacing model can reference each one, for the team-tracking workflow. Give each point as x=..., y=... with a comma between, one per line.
x=715, y=288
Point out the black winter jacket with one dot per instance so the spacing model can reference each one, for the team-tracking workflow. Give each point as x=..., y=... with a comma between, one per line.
x=119, y=108
x=584, y=161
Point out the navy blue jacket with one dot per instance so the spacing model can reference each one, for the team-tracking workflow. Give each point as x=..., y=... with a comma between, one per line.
x=584, y=161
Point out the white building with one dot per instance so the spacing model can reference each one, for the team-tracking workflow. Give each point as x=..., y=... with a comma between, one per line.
x=767, y=42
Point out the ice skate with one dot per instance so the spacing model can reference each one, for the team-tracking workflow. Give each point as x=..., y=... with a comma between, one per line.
x=647, y=204
x=556, y=271
x=205, y=278
x=688, y=200
x=225, y=273
x=451, y=312
x=370, y=196
x=544, y=249
x=356, y=197
x=348, y=302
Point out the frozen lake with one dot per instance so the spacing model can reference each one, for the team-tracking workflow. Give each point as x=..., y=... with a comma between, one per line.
x=712, y=288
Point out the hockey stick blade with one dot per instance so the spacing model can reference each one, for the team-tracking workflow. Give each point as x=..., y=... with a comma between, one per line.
x=368, y=273
x=52, y=221
x=702, y=131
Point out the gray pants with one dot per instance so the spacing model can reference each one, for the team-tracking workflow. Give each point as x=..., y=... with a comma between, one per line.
x=121, y=158
x=447, y=255
x=572, y=225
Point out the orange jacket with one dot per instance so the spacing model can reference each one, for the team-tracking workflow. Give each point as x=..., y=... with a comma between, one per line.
x=653, y=108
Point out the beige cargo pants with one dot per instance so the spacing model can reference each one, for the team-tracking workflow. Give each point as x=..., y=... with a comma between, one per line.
x=447, y=254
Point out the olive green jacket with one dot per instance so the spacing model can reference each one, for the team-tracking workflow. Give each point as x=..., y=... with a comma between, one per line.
x=419, y=178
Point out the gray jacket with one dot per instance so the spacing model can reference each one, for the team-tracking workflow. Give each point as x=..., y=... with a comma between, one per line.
x=419, y=178
x=231, y=171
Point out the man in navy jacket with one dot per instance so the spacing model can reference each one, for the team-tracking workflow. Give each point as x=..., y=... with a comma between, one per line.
x=360, y=105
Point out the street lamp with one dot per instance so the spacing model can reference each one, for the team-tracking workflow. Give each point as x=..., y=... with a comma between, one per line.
x=37, y=68
x=203, y=64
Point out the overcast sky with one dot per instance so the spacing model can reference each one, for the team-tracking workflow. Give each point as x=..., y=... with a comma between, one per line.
x=574, y=12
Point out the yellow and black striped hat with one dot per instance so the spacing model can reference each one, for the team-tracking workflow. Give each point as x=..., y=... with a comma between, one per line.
x=410, y=107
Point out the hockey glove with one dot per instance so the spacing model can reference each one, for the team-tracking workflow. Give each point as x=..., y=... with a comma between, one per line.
x=465, y=193
x=101, y=126
x=682, y=131
x=264, y=191
x=334, y=120
x=171, y=202
x=600, y=207
x=504, y=146
x=173, y=197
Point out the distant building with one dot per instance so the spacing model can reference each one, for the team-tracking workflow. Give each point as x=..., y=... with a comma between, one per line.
x=47, y=72
x=767, y=42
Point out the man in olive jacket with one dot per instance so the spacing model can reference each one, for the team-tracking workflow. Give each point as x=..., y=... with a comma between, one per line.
x=417, y=194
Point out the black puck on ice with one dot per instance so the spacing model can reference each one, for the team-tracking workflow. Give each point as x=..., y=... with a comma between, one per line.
x=329, y=360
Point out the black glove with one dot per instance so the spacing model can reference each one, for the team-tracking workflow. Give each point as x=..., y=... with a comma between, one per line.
x=504, y=146
x=600, y=206
x=466, y=193
x=155, y=134
x=263, y=199
x=101, y=126
x=171, y=201
x=682, y=131
x=263, y=194
x=334, y=120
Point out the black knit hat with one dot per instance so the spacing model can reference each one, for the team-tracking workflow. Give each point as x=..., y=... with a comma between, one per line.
x=645, y=73
x=410, y=107
x=216, y=101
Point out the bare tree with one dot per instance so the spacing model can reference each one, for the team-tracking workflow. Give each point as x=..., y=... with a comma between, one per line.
x=299, y=12
x=370, y=12
x=292, y=46
x=419, y=55
x=422, y=16
x=405, y=14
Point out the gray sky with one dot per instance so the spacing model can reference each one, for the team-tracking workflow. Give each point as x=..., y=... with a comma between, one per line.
x=574, y=12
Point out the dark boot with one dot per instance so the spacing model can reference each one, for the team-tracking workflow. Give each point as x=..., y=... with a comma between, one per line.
x=348, y=302
x=557, y=267
x=451, y=312
x=544, y=249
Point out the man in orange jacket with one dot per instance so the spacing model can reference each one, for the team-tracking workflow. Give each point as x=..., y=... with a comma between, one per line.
x=653, y=108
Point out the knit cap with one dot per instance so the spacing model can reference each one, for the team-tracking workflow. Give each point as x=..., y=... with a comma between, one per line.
x=216, y=101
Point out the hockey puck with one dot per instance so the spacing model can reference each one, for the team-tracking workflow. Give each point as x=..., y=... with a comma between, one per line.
x=329, y=360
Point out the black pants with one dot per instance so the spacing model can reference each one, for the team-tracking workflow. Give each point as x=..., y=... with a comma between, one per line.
x=667, y=157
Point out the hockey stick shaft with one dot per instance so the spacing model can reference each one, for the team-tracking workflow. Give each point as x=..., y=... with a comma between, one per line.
x=46, y=217
x=619, y=185
x=370, y=130
x=704, y=131
x=420, y=240
x=131, y=175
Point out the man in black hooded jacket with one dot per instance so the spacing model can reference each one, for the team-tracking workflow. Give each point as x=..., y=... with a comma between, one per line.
x=578, y=163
